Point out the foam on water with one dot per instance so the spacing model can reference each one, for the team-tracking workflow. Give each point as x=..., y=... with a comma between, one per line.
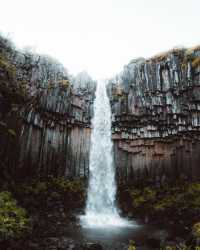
x=105, y=221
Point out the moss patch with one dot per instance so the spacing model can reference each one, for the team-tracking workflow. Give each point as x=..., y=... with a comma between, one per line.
x=14, y=221
x=178, y=202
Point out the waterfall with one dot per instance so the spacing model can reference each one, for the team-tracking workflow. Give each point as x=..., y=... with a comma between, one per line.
x=101, y=209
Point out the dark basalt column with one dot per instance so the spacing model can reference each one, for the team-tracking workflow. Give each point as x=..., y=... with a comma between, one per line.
x=45, y=121
x=156, y=118
x=55, y=137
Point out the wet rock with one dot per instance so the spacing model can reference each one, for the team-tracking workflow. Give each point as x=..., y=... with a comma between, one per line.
x=130, y=214
x=33, y=245
x=153, y=242
x=66, y=243
x=92, y=246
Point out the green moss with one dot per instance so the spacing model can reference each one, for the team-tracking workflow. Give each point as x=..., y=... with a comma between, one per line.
x=181, y=248
x=165, y=203
x=196, y=230
x=149, y=194
x=72, y=192
x=13, y=219
x=194, y=188
x=196, y=62
x=64, y=83
x=192, y=196
x=12, y=132
x=170, y=248
x=142, y=198
x=39, y=192
x=131, y=245
x=138, y=201
x=7, y=67
x=178, y=202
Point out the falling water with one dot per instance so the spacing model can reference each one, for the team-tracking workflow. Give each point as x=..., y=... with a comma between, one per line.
x=101, y=209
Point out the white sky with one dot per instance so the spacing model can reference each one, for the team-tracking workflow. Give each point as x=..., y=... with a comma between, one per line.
x=100, y=36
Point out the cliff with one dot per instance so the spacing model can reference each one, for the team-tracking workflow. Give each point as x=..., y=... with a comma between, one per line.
x=55, y=134
x=156, y=117
x=45, y=117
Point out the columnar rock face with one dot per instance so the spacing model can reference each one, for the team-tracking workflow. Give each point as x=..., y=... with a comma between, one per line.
x=45, y=120
x=156, y=117
x=45, y=117
x=55, y=137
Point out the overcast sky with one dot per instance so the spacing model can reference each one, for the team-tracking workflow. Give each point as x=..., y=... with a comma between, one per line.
x=100, y=36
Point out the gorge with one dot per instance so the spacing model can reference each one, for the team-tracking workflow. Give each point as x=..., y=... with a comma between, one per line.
x=47, y=131
x=155, y=120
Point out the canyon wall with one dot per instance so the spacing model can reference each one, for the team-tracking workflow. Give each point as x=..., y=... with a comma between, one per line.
x=156, y=117
x=45, y=117
x=55, y=137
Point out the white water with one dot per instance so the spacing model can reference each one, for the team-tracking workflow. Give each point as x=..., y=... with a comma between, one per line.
x=101, y=210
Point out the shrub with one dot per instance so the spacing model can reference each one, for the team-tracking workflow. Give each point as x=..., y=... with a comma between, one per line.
x=72, y=192
x=196, y=230
x=132, y=245
x=137, y=198
x=13, y=219
x=39, y=193
x=193, y=196
x=165, y=203
x=142, y=198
